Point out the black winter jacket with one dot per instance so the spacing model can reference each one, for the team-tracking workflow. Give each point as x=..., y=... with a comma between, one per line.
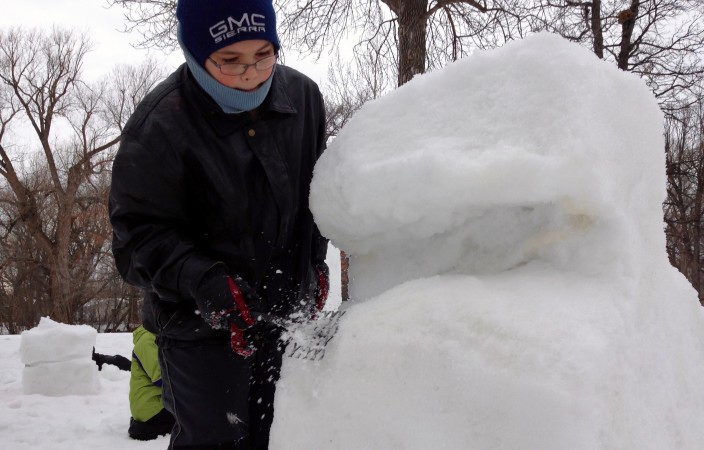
x=193, y=187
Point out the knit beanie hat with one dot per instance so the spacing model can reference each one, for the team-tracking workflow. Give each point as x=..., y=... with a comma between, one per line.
x=209, y=25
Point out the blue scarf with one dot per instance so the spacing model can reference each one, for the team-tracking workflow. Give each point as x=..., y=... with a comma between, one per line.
x=232, y=101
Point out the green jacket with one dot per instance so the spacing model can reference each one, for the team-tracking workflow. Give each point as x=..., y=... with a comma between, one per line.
x=145, y=379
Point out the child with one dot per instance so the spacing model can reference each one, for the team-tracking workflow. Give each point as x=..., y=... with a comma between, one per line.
x=209, y=207
x=149, y=418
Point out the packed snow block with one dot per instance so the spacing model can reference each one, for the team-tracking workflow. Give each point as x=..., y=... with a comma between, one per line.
x=52, y=341
x=528, y=359
x=73, y=377
x=509, y=280
x=537, y=150
x=58, y=359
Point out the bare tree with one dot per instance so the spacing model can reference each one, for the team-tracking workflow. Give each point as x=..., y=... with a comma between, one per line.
x=348, y=87
x=411, y=36
x=57, y=135
x=660, y=40
x=684, y=207
x=154, y=19
x=21, y=271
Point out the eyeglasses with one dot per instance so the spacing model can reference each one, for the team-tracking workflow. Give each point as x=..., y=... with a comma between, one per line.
x=240, y=68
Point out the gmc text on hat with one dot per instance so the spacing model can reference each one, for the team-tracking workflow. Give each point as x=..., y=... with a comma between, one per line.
x=230, y=27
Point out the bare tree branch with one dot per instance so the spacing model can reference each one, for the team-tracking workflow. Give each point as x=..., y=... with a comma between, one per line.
x=53, y=199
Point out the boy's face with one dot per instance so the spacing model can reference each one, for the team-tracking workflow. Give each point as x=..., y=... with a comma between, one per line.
x=242, y=52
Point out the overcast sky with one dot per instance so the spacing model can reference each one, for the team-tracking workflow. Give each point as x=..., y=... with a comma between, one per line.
x=111, y=46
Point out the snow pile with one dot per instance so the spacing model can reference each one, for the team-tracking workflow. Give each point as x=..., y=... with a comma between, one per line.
x=57, y=359
x=508, y=269
x=533, y=151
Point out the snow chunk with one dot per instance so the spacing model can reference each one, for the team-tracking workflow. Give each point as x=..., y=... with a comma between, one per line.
x=52, y=341
x=57, y=359
x=536, y=150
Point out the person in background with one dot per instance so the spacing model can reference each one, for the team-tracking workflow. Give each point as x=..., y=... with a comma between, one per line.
x=149, y=418
x=118, y=361
x=209, y=208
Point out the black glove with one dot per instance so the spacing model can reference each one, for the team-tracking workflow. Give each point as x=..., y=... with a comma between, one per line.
x=227, y=301
x=98, y=358
x=263, y=333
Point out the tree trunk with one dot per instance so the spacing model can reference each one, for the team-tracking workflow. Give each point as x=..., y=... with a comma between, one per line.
x=597, y=29
x=344, y=276
x=627, y=18
x=411, y=38
x=695, y=276
x=62, y=308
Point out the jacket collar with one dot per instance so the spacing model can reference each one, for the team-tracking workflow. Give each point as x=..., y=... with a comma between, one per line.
x=277, y=102
x=279, y=99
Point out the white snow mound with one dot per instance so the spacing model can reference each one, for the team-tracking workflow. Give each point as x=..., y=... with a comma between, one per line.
x=511, y=155
x=57, y=359
x=510, y=284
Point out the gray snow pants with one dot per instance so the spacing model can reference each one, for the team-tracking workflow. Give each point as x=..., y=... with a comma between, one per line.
x=220, y=400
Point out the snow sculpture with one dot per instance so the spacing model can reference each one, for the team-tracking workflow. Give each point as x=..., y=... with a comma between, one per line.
x=57, y=359
x=555, y=147
x=509, y=281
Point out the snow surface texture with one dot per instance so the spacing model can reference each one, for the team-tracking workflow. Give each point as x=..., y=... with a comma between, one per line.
x=57, y=359
x=509, y=278
x=52, y=341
